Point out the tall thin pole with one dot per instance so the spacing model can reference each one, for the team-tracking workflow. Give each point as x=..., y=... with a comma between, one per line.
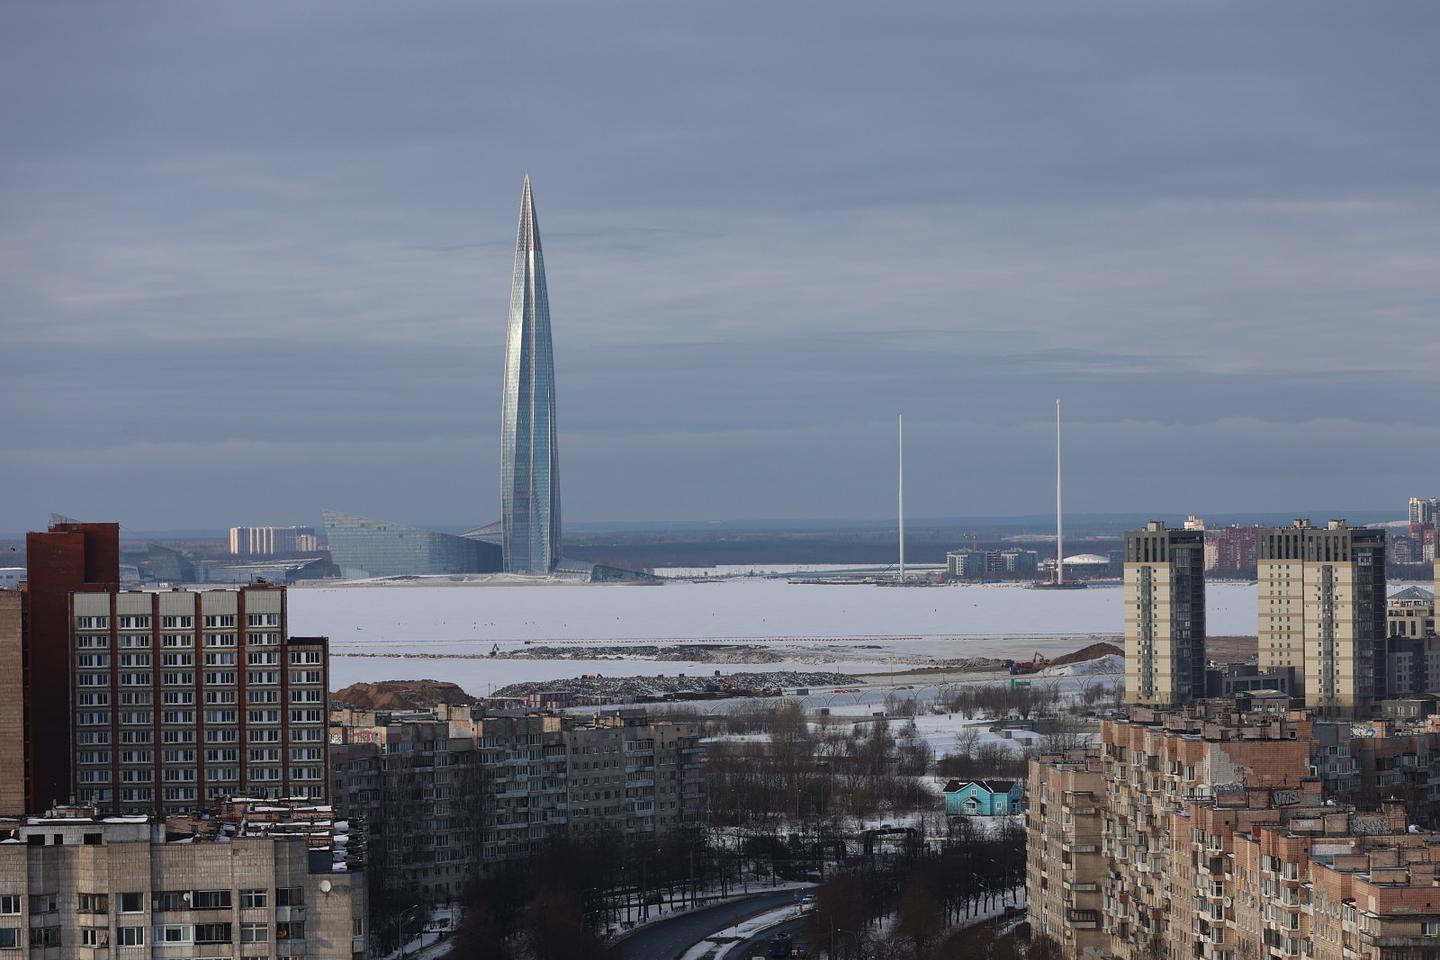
x=1059, y=523
x=902, y=498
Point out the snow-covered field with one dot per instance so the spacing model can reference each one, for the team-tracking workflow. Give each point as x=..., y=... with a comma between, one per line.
x=445, y=632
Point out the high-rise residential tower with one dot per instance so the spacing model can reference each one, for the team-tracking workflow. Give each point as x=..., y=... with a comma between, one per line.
x=1322, y=612
x=529, y=461
x=181, y=699
x=1164, y=614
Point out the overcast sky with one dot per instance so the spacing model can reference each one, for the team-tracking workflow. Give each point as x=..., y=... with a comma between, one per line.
x=255, y=257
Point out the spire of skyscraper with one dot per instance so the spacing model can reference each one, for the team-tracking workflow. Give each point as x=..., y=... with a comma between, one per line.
x=529, y=461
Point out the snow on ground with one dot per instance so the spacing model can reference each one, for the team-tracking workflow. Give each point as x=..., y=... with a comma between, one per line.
x=445, y=632
x=720, y=945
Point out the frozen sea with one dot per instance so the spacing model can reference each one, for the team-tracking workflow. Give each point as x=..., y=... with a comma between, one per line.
x=443, y=632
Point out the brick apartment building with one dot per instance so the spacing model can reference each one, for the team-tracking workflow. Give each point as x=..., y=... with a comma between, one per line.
x=35, y=771
x=1214, y=833
x=184, y=698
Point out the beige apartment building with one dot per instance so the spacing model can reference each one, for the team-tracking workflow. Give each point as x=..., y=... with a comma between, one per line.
x=184, y=698
x=1164, y=597
x=1322, y=613
x=1065, y=868
x=77, y=887
x=1216, y=842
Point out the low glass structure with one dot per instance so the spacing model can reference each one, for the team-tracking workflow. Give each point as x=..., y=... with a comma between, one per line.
x=363, y=548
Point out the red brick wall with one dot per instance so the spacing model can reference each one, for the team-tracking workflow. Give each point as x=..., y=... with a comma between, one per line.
x=71, y=557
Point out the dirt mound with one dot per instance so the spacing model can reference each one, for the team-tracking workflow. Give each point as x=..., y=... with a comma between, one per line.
x=1093, y=652
x=401, y=694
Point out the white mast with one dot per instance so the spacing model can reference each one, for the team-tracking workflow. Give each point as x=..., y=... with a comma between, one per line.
x=1059, y=524
x=902, y=497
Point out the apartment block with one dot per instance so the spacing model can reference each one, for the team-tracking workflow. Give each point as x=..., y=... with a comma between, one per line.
x=74, y=885
x=271, y=541
x=1065, y=875
x=1232, y=551
x=1410, y=613
x=1424, y=511
x=1225, y=834
x=68, y=557
x=13, y=734
x=1322, y=613
x=631, y=774
x=445, y=793
x=1164, y=597
x=184, y=698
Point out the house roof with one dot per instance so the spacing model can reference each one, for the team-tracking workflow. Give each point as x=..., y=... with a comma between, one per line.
x=989, y=786
x=1413, y=593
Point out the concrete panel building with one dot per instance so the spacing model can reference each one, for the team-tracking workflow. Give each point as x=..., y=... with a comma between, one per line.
x=74, y=886
x=446, y=794
x=1164, y=597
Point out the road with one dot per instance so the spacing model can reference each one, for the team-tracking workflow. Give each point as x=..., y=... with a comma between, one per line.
x=757, y=945
x=668, y=939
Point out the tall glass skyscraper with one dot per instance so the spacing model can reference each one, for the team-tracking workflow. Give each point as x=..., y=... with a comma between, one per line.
x=529, y=461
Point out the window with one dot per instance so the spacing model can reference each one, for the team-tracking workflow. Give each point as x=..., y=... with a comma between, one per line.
x=132, y=903
x=212, y=933
x=94, y=937
x=9, y=938
x=293, y=930
x=170, y=900
x=94, y=903
x=253, y=898
x=10, y=903
x=44, y=902
x=211, y=900
x=43, y=937
x=290, y=897
x=175, y=933
x=254, y=932
x=130, y=936
x=1430, y=929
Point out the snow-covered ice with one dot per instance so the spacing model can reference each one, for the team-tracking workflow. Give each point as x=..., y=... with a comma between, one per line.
x=423, y=631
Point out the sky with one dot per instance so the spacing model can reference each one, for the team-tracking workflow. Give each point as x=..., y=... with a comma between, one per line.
x=255, y=258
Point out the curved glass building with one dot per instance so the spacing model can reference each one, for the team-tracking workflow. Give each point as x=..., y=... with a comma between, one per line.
x=529, y=462
x=364, y=548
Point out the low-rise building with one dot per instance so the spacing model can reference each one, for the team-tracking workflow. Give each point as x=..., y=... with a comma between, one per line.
x=984, y=798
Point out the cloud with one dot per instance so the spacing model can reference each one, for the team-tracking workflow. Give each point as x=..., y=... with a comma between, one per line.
x=767, y=230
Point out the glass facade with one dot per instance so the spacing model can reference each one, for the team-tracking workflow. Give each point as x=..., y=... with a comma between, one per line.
x=373, y=548
x=529, y=461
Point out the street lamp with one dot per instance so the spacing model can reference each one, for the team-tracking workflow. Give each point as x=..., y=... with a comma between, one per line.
x=834, y=930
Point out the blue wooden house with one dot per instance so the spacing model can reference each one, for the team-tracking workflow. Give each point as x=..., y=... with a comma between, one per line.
x=984, y=798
